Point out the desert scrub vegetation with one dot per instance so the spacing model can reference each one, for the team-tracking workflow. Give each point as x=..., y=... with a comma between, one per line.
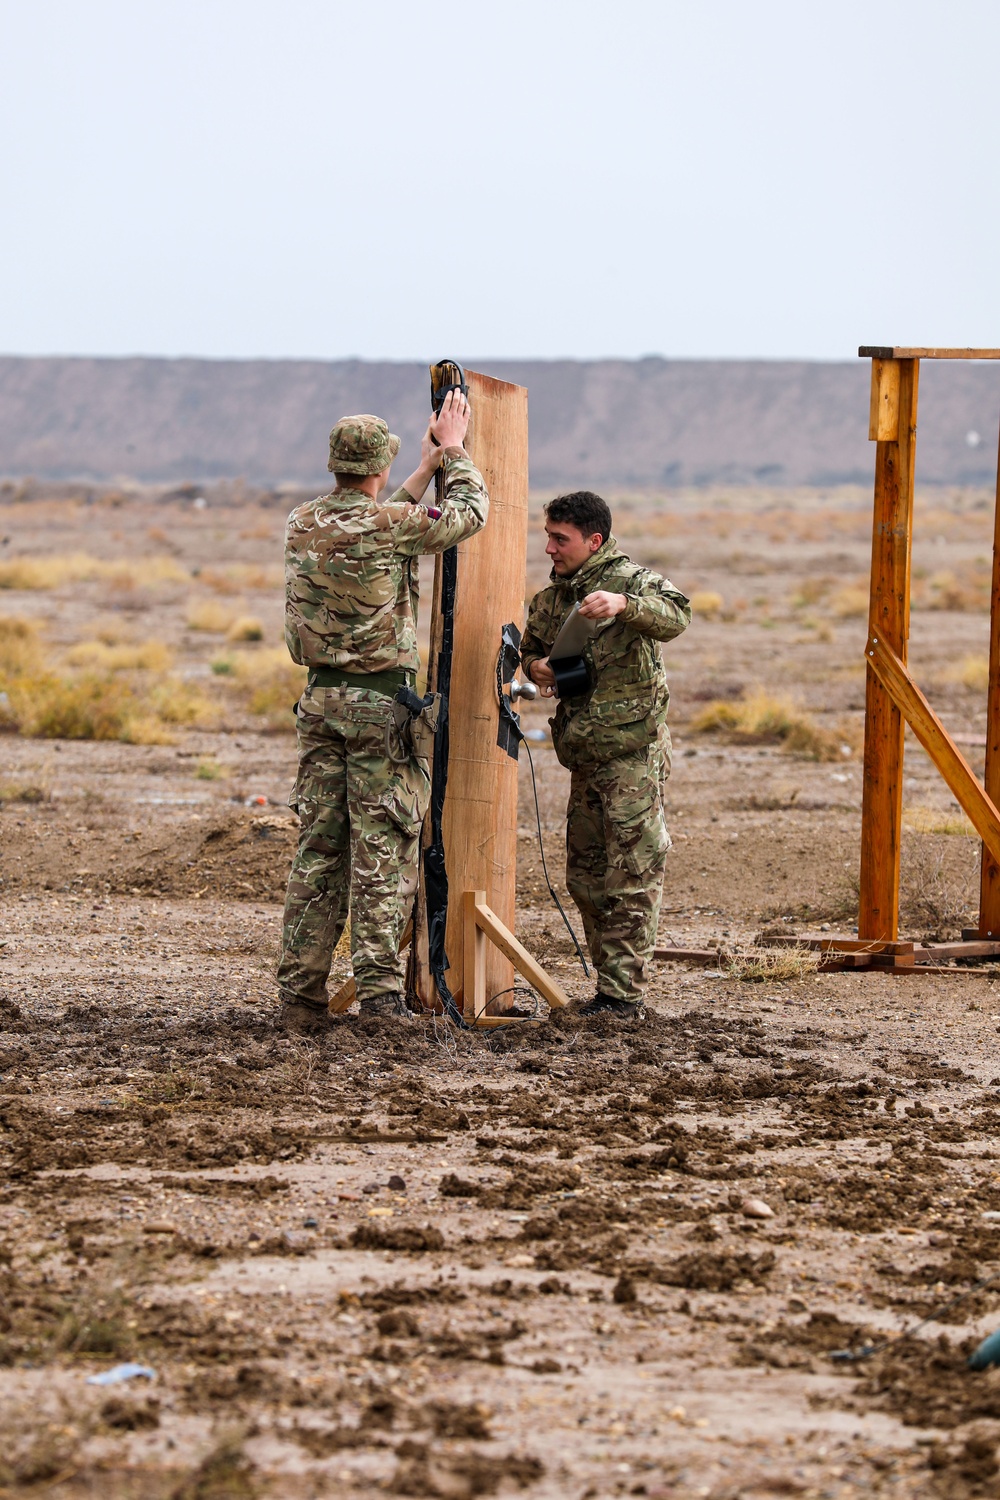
x=266, y=683
x=53, y=570
x=98, y=692
x=239, y=578
x=764, y=717
x=147, y=656
x=932, y=820
x=706, y=604
x=209, y=616
x=964, y=589
x=759, y=964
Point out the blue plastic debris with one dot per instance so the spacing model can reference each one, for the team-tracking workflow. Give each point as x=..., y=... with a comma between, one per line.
x=118, y=1373
x=988, y=1353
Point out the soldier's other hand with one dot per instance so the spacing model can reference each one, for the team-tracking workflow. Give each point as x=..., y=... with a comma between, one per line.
x=451, y=423
x=430, y=454
x=602, y=606
x=543, y=676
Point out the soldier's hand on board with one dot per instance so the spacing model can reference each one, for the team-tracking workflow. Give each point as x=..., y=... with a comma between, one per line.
x=451, y=423
x=430, y=454
x=541, y=673
x=602, y=606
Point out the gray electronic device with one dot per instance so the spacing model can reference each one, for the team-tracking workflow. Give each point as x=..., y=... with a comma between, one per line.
x=576, y=631
x=566, y=656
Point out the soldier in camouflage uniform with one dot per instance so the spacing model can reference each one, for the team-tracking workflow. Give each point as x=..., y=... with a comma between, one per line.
x=613, y=737
x=350, y=617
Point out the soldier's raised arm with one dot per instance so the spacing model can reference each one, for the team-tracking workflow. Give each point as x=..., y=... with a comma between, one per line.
x=420, y=528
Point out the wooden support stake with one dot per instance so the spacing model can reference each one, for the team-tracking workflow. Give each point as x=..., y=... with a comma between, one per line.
x=474, y=993
x=989, y=881
x=529, y=968
x=949, y=760
x=881, y=807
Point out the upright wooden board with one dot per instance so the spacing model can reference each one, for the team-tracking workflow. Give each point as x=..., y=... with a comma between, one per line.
x=889, y=620
x=989, y=884
x=480, y=810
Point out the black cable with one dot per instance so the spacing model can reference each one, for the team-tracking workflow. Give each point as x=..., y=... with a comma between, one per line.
x=847, y=1356
x=545, y=868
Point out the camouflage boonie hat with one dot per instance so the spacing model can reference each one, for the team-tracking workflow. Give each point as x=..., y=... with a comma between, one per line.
x=361, y=445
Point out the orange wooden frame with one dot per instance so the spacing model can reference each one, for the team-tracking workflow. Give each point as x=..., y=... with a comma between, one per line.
x=892, y=698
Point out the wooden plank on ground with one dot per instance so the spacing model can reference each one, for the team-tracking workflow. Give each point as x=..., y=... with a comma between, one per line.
x=951, y=763
x=704, y=956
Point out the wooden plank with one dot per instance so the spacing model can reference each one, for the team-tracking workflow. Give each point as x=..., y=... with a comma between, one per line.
x=480, y=811
x=951, y=763
x=882, y=792
x=928, y=952
x=474, y=992
x=989, y=875
x=883, y=411
x=501, y=937
x=704, y=956
x=883, y=351
x=841, y=945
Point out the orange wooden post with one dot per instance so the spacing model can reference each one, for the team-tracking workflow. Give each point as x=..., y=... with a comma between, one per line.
x=893, y=426
x=989, y=885
x=480, y=809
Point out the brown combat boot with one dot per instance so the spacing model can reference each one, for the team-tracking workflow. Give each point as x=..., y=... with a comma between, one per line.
x=298, y=1019
x=389, y=1006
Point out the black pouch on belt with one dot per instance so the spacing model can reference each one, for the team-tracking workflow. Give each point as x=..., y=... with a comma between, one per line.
x=412, y=726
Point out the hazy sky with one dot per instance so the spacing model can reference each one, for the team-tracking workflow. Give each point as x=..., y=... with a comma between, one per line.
x=314, y=178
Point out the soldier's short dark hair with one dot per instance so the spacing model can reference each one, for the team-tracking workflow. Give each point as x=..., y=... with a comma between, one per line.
x=582, y=509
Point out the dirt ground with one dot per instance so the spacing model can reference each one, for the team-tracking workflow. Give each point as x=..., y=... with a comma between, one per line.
x=412, y=1261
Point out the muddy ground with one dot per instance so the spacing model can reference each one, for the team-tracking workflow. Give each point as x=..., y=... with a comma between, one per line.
x=411, y=1261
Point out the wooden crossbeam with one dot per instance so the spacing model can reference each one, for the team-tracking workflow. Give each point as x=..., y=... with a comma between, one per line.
x=882, y=351
x=941, y=748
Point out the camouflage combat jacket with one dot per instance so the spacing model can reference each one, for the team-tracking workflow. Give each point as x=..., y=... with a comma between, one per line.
x=350, y=580
x=628, y=697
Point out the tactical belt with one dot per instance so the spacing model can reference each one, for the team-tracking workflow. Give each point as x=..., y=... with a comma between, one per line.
x=376, y=682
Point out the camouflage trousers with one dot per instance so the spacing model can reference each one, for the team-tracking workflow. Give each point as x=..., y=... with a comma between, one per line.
x=358, y=846
x=616, y=853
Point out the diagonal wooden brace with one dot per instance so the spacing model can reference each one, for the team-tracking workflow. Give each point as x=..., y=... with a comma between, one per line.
x=949, y=760
x=480, y=923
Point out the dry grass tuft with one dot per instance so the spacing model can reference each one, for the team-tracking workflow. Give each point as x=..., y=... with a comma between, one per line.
x=39, y=1444
x=237, y=578
x=965, y=590
x=210, y=616
x=224, y=1474
x=54, y=570
x=761, y=716
x=758, y=964
x=148, y=656
x=972, y=672
x=850, y=603
x=20, y=646
x=931, y=820
x=706, y=604
x=23, y=791
x=245, y=628
x=267, y=683
x=211, y=770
